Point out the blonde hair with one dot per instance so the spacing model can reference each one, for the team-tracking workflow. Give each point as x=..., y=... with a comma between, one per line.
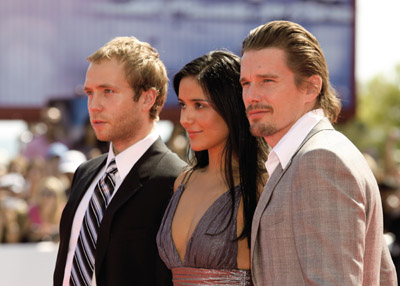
x=142, y=65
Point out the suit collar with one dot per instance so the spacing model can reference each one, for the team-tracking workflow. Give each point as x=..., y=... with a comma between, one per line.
x=133, y=183
x=129, y=157
x=139, y=173
x=324, y=124
x=85, y=178
x=290, y=142
x=263, y=201
x=275, y=178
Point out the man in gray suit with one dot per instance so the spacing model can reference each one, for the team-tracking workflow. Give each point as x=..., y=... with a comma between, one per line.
x=319, y=219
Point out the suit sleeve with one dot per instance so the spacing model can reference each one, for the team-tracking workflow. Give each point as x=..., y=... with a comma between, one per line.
x=329, y=220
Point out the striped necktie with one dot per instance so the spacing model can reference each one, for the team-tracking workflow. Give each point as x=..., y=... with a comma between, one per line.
x=84, y=257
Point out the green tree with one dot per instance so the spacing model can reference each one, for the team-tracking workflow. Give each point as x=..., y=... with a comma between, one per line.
x=376, y=125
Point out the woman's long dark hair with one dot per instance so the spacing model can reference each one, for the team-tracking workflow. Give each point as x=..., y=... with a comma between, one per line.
x=218, y=74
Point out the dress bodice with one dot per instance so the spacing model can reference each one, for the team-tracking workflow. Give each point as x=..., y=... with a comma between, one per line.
x=213, y=246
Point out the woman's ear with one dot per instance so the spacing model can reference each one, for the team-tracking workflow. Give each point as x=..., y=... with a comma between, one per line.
x=314, y=86
x=148, y=98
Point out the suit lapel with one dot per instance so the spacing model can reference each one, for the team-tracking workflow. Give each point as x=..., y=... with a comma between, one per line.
x=264, y=200
x=322, y=125
x=139, y=173
x=132, y=184
x=80, y=186
x=85, y=179
x=273, y=181
x=82, y=180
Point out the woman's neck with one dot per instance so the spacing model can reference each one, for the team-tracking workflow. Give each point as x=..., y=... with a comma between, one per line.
x=216, y=165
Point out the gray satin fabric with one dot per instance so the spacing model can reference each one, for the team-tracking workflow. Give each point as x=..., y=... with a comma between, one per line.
x=210, y=250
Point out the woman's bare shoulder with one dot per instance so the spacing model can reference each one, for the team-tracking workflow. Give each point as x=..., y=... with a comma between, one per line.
x=181, y=178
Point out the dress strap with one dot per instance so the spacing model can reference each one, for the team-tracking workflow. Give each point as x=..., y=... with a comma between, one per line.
x=187, y=176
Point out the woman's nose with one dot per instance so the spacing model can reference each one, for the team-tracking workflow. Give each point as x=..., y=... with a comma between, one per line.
x=186, y=117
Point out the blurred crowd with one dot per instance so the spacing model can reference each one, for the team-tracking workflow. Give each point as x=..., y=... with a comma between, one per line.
x=387, y=173
x=33, y=193
x=35, y=184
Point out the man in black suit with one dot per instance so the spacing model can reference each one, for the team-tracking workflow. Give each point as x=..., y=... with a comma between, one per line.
x=126, y=85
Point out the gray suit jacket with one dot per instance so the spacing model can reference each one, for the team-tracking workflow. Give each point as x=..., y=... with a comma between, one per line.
x=319, y=221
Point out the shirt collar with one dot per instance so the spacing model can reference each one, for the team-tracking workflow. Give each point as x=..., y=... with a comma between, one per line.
x=128, y=158
x=290, y=142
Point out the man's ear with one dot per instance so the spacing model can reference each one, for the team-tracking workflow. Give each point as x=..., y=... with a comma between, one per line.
x=314, y=86
x=148, y=98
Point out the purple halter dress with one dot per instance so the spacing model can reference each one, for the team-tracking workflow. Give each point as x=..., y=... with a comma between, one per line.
x=211, y=252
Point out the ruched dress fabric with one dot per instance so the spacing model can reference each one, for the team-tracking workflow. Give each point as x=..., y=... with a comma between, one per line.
x=211, y=252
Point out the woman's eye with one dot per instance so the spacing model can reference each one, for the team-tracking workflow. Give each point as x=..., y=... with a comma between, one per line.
x=181, y=105
x=199, y=105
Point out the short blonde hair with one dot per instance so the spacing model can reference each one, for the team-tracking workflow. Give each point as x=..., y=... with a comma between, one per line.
x=143, y=67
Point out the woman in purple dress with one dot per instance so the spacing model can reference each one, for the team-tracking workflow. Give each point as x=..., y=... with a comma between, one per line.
x=205, y=233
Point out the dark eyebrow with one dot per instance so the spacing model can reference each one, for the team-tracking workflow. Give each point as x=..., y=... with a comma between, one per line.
x=242, y=79
x=194, y=100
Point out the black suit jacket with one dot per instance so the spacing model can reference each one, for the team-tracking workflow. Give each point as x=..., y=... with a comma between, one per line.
x=126, y=244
